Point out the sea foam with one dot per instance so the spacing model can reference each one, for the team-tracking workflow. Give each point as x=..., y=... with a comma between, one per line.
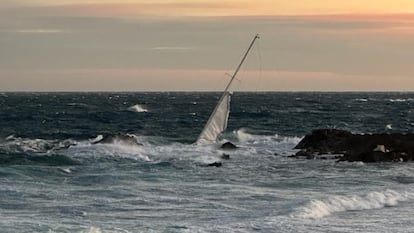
x=401, y=100
x=137, y=108
x=92, y=230
x=244, y=136
x=374, y=200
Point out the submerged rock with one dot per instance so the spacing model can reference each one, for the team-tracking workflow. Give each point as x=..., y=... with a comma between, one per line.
x=215, y=164
x=228, y=146
x=345, y=146
x=225, y=156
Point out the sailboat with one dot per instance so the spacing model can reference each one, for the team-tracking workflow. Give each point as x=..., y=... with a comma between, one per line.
x=217, y=122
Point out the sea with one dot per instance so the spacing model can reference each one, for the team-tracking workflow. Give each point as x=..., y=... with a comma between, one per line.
x=54, y=177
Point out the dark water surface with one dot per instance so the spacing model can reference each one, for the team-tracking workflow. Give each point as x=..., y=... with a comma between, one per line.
x=54, y=179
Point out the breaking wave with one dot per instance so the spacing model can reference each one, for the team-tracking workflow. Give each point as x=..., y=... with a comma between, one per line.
x=244, y=137
x=139, y=148
x=116, y=149
x=401, y=100
x=92, y=230
x=137, y=108
x=373, y=200
x=14, y=144
x=16, y=150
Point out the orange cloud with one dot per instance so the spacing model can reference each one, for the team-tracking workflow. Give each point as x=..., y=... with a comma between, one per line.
x=233, y=7
x=395, y=25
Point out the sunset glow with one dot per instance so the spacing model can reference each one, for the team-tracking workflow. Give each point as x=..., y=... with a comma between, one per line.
x=320, y=45
x=233, y=7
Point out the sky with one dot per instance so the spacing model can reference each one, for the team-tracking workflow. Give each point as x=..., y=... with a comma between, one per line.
x=183, y=45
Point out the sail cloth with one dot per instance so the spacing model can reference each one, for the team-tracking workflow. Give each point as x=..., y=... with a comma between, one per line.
x=217, y=122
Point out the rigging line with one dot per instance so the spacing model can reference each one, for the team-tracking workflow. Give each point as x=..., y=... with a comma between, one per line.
x=259, y=54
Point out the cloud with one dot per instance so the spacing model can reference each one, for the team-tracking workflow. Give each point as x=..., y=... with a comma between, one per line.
x=193, y=80
x=173, y=48
x=40, y=31
x=224, y=8
x=135, y=9
x=69, y=37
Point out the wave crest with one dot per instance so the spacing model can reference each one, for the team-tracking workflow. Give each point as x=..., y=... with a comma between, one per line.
x=14, y=144
x=137, y=108
x=243, y=136
x=400, y=100
x=373, y=200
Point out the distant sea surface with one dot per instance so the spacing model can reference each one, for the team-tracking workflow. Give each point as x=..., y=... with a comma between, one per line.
x=54, y=178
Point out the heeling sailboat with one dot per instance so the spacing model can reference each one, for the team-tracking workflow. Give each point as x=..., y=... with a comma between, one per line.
x=217, y=122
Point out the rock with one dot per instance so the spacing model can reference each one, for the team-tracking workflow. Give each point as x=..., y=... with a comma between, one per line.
x=395, y=147
x=215, y=164
x=325, y=141
x=377, y=156
x=228, y=146
x=225, y=156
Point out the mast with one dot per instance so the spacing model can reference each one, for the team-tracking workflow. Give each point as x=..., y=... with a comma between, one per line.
x=241, y=63
x=217, y=122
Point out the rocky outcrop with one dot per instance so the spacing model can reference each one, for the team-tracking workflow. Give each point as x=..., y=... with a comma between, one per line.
x=345, y=146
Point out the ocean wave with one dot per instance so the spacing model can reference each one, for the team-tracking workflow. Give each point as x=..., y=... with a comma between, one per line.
x=144, y=148
x=137, y=108
x=17, y=150
x=374, y=200
x=243, y=136
x=26, y=159
x=14, y=144
x=92, y=230
x=77, y=104
x=113, y=148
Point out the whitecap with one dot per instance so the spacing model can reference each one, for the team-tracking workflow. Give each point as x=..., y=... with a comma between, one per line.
x=97, y=139
x=137, y=108
x=374, y=200
x=65, y=170
x=400, y=100
x=17, y=144
x=92, y=230
x=286, y=139
x=243, y=136
x=117, y=148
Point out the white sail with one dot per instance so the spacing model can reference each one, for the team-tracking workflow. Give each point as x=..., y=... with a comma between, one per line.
x=217, y=122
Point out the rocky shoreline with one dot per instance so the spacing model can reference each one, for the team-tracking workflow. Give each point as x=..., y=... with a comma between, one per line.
x=345, y=146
